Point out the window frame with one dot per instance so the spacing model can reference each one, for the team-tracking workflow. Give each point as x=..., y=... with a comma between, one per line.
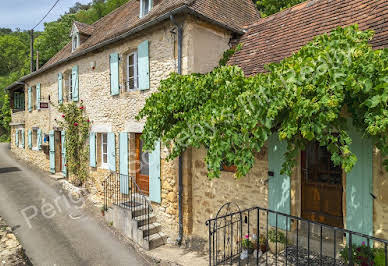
x=75, y=42
x=69, y=88
x=103, y=164
x=135, y=72
x=20, y=138
x=144, y=11
x=34, y=133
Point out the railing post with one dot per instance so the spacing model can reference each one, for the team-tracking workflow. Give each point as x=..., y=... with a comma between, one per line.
x=350, y=250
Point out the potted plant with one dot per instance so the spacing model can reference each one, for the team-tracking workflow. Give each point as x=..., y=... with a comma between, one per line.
x=277, y=241
x=362, y=255
x=247, y=244
x=263, y=243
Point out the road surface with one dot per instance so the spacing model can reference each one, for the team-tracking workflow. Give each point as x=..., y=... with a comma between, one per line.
x=50, y=227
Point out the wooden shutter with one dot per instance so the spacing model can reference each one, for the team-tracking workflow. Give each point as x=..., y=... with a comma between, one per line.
x=154, y=170
x=52, y=151
x=29, y=99
x=92, y=149
x=359, y=186
x=143, y=66
x=17, y=138
x=60, y=88
x=112, y=151
x=63, y=142
x=30, y=139
x=279, y=185
x=39, y=139
x=38, y=96
x=124, y=180
x=114, y=74
x=23, y=141
x=75, y=84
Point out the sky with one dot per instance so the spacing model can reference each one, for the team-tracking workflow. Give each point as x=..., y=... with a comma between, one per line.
x=25, y=14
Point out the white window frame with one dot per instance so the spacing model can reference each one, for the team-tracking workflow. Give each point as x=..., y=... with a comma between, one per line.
x=20, y=138
x=103, y=164
x=34, y=148
x=70, y=87
x=75, y=41
x=135, y=70
x=143, y=11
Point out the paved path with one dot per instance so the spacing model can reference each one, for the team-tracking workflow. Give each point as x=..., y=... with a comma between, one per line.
x=54, y=238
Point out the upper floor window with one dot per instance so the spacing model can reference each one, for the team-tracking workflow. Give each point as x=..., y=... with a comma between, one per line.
x=75, y=41
x=132, y=77
x=145, y=7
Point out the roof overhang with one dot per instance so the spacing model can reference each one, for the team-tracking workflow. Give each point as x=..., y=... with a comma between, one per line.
x=166, y=16
x=14, y=85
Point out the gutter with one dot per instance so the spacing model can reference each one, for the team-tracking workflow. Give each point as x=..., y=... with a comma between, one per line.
x=180, y=10
x=180, y=164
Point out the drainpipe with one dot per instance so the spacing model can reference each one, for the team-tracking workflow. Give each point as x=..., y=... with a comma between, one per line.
x=180, y=164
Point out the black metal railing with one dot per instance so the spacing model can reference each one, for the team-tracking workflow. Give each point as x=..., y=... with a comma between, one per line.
x=122, y=190
x=258, y=236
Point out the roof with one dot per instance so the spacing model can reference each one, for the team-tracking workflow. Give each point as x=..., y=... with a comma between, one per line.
x=278, y=36
x=84, y=28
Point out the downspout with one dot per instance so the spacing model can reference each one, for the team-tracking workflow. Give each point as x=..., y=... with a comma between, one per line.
x=180, y=164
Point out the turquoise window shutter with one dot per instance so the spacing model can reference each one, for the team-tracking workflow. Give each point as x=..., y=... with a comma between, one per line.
x=16, y=100
x=29, y=99
x=17, y=138
x=38, y=96
x=75, y=83
x=114, y=74
x=60, y=88
x=63, y=142
x=52, y=151
x=359, y=186
x=154, y=170
x=39, y=139
x=23, y=141
x=143, y=65
x=22, y=101
x=279, y=186
x=112, y=151
x=124, y=180
x=92, y=149
x=30, y=139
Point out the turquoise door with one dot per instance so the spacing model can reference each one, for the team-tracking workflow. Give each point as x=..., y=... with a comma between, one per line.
x=278, y=185
x=154, y=160
x=359, y=187
x=124, y=179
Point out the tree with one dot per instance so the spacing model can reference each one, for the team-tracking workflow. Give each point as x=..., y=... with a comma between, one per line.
x=13, y=53
x=269, y=7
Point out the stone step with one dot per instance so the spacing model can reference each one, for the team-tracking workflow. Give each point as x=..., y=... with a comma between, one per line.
x=148, y=230
x=156, y=240
x=140, y=211
x=143, y=220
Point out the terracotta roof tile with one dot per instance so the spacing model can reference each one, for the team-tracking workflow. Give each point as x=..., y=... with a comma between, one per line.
x=84, y=28
x=233, y=13
x=278, y=36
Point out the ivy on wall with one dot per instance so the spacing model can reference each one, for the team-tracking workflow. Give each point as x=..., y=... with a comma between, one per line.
x=76, y=125
x=303, y=98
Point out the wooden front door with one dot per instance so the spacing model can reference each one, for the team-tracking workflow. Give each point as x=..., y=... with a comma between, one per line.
x=142, y=166
x=321, y=187
x=58, y=151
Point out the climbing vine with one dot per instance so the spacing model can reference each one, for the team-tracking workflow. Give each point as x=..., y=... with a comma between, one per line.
x=76, y=125
x=305, y=97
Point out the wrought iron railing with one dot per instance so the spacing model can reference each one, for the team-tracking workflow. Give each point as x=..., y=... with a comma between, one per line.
x=122, y=190
x=258, y=236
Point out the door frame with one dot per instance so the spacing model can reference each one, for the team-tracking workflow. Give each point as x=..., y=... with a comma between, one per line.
x=58, y=151
x=137, y=166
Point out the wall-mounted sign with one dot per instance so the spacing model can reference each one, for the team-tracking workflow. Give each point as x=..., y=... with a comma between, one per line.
x=44, y=105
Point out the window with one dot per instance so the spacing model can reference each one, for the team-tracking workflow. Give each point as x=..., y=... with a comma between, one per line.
x=68, y=90
x=20, y=135
x=75, y=41
x=33, y=98
x=18, y=101
x=132, y=77
x=145, y=7
x=35, y=138
x=104, y=150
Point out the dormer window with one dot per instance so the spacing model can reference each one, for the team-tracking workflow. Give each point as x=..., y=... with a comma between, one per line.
x=145, y=7
x=75, y=41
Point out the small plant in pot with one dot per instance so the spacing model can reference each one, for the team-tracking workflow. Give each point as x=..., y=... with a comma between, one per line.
x=263, y=243
x=277, y=241
x=103, y=209
x=247, y=244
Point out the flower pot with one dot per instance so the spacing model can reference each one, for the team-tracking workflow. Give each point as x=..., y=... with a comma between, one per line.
x=250, y=250
x=103, y=213
x=272, y=247
x=244, y=254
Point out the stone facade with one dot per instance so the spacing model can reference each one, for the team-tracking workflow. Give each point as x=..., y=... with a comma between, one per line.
x=203, y=46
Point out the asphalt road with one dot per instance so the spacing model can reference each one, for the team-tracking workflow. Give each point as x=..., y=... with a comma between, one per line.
x=52, y=228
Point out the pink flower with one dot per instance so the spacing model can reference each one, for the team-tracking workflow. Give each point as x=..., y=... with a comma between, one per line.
x=81, y=108
x=88, y=121
x=75, y=124
x=363, y=243
x=63, y=116
x=246, y=236
x=66, y=164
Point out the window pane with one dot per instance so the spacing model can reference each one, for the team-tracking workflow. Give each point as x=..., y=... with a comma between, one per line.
x=130, y=60
x=105, y=158
x=131, y=84
x=144, y=160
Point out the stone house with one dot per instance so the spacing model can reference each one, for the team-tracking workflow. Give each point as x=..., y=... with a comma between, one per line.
x=111, y=67
x=99, y=63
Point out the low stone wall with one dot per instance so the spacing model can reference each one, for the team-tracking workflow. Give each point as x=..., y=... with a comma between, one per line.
x=11, y=252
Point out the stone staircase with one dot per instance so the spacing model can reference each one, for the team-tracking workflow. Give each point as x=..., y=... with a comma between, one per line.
x=134, y=223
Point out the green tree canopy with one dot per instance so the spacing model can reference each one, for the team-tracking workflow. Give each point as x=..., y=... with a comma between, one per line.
x=303, y=98
x=269, y=7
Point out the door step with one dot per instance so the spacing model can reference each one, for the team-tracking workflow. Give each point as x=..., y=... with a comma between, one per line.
x=57, y=176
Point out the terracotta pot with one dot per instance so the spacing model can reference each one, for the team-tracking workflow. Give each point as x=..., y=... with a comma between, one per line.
x=272, y=247
x=103, y=213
